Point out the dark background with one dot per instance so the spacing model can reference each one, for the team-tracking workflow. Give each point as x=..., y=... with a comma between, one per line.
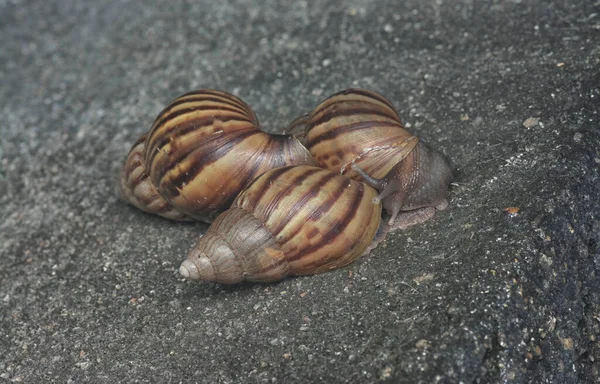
x=88, y=290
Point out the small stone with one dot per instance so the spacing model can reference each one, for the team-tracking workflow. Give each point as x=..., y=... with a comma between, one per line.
x=423, y=278
x=531, y=122
x=512, y=211
x=386, y=373
x=567, y=343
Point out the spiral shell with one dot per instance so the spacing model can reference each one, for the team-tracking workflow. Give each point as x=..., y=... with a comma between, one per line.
x=359, y=134
x=357, y=127
x=200, y=152
x=289, y=221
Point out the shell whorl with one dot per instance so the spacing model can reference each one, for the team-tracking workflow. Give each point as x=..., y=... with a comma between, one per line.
x=358, y=133
x=136, y=188
x=291, y=220
x=204, y=148
x=357, y=127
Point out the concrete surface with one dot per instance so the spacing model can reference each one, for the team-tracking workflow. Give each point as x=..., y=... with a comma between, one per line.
x=509, y=90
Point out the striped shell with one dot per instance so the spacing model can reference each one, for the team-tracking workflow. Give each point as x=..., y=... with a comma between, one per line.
x=358, y=127
x=201, y=151
x=289, y=221
x=359, y=134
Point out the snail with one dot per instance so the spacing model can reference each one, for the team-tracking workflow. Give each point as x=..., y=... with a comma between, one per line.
x=358, y=133
x=289, y=221
x=201, y=151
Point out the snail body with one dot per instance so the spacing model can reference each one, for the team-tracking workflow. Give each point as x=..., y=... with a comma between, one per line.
x=201, y=151
x=289, y=221
x=359, y=134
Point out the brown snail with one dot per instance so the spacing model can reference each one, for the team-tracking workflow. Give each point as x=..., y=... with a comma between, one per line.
x=358, y=133
x=292, y=220
x=201, y=151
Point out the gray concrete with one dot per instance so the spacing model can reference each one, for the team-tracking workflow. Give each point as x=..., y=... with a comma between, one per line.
x=88, y=290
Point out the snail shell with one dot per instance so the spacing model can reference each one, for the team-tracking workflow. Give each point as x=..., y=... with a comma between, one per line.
x=289, y=221
x=359, y=134
x=201, y=151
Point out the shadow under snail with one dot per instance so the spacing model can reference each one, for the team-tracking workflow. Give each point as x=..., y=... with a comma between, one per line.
x=201, y=151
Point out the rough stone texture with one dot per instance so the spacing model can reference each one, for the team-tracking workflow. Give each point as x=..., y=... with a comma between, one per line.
x=509, y=90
